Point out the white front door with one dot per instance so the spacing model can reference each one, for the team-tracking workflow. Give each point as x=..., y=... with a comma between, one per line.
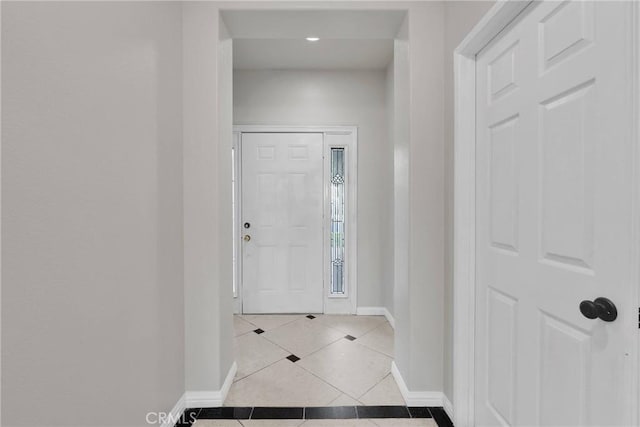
x=554, y=218
x=282, y=210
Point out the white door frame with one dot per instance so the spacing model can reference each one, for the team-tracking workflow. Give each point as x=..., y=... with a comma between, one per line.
x=333, y=136
x=495, y=21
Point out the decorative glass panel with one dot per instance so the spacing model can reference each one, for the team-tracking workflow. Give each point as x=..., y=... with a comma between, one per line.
x=337, y=220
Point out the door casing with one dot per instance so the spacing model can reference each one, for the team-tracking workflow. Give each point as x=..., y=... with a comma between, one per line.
x=502, y=15
x=333, y=136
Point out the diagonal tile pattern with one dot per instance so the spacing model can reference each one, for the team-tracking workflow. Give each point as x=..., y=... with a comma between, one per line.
x=248, y=346
x=268, y=322
x=241, y=326
x=329, y=369
x=345, y=400
x=352, y=325
x=384, y=393
x=282, y=384
x=348, y=366
x=303, y=336
x=379, y=339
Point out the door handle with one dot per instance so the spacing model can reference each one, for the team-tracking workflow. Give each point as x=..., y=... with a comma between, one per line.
x=247, y=237
x=602, y=308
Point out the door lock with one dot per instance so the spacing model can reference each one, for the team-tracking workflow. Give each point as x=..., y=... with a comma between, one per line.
x=247, y=237
x=602, y=308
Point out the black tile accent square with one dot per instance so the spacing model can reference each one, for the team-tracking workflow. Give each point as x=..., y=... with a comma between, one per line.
x=330, y=413
x=350, y=338
x=225, y=413
x=293, y=358
x=188, y=417
x=440, y=417
x=311, y=316
x=419, y=412
x=383, y=412
x=261, y=413
x=258, y=331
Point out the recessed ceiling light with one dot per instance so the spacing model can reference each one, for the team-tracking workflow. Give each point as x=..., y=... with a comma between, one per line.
x=313, y=39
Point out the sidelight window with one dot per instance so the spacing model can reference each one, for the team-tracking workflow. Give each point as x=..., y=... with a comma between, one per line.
x=337, y=220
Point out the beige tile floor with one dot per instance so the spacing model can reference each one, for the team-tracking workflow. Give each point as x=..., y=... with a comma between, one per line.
x=332, y=370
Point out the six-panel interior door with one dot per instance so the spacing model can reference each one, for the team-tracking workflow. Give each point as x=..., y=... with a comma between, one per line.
x=554, y=200
x=282, y=205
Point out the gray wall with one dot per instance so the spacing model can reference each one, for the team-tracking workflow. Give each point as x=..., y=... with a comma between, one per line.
x=388, y=229
x=356, y=97
x=426, y=172
x=401, y=231
x=460, y=17
x=92, y=277
x=419, y=199
x=206, y=67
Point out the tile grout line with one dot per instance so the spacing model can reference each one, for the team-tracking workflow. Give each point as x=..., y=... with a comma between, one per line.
x=374, y=386
x=323, y=347
x=245, y=320
x=286, y=323
x=255, y=372
x=349, y=396
x=359, y=338
x=431, y=415
x=373, y=349
x=363, y=334
x=290, y=351
x=327, y=383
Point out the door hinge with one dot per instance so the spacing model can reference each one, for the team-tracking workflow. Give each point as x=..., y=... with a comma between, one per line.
x=638, y=317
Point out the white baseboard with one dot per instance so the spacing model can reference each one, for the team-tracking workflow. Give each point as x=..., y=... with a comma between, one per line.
x=226, y=386
x=416, y=398
x=175, y=413
x=376, y=311
x=214, y=398
x=447, y=405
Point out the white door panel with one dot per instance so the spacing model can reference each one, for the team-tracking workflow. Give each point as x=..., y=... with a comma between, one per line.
x=282, y=201
x=554, y=192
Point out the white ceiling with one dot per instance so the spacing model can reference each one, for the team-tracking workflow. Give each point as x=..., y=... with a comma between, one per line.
x=327, y=24
x=332, y=54
x=275, y=39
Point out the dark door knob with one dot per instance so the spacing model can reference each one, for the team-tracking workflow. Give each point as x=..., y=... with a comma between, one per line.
x=602, y=308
